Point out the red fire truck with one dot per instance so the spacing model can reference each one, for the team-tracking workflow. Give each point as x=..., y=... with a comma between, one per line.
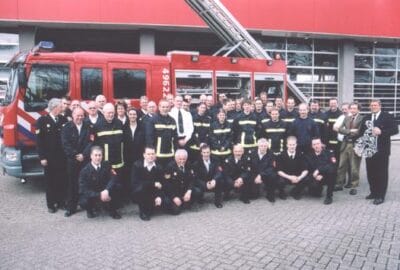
x=40, y=75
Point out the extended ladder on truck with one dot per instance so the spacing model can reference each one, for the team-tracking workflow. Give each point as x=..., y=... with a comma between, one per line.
x=236, y=37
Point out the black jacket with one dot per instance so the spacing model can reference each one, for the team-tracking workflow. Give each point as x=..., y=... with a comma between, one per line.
x=133, y=144
x=233, y=170
x=201, y=174
x=264, y=167
x=76, y=143
x=177, y=183
x=142, y=179
x=325, y=163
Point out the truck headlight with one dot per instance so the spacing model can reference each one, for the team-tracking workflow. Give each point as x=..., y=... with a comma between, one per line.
x=11, y=156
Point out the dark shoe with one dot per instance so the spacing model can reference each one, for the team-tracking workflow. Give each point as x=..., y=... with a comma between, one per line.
x=245, y=200
x=143, y=216
x=282, y=195
x=114, y=214
x=328, y=200
x=338, y=188
x=218, y=204
x=61, y=206
x=69, y=213
x=370, y=197
x=378, y=201
x=91, y=214
x=349, y=185
x=270, y=197
x=353, y=191
x=52, y=210
x=296, y=196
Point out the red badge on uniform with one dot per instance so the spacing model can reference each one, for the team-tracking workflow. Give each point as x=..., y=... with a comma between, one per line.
x=333, y=159
x=91, y=137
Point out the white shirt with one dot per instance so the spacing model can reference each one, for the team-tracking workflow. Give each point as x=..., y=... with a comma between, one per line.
x=338, y=124
x=96, y=166
x=123, y=120
x=261, y=155
x=133, y=129
x=187, y=122
x=92, y=119
x=149, y=166
x=291, y=154
x=53, y=117
x=376, y=116
x=207, y=164
x=79, y=128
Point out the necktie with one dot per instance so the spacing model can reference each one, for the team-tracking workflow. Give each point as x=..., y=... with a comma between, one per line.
x=207, y=166
x=352, y=122
x=97, y=168
x=182, y=169
x=56, y=119
x=291, y=156
x=373, y=118
x=180, y=121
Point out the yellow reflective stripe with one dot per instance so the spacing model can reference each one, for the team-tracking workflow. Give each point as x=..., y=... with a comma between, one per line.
x=106, y=152
x=199, y=124
x=247, y=122
x=269, y=143
x=332, y=120
x=122, y=152
x=194, y=147
x=247, y=145
x=162, y=126
x=219, y=131
x=221, y=153
x=265, y=120
x=250, y=145
x=117, y=166
x=272, y=130
x=333, y=142
x=158, y=150
x=109, y=132
x=319, y=120
x=281, y=145
x=242, y=138
x=229, y=121
x=288, y=120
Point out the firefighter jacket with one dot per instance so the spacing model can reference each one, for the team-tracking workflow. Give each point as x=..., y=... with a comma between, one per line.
x=245, y=129
x=232, y=170
x=304, y=130
x=231, y=116
x=275, y=133
x=321, y=121
x=264, y=166
x=201, y=131
x=288, y=116
x=331, y=134
x=325, y=162
x=177, y=181
x=220, y=138
x=110, y=136
x=161, y=133
x=48, y=137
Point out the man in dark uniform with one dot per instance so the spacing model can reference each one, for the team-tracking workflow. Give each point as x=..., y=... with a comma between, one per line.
x=76, y=142
x=304, y=129
x=275, y=131
x=161, y=134
x=290, y=114
x=208, y=175
x=201, y=132
x=259, y=110
x=321, y=164
x=237, y=173
x=179, y=183
x=263, y=171
x=93, y=117
x=245, y=128
x=292, y=168
x=384, y=126
x=98, y=184
x=220, y=137
x=51, y=155
x=320, y=120
x=146, y=182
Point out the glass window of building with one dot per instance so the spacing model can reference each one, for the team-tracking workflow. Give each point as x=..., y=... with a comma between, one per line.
x=377, y=75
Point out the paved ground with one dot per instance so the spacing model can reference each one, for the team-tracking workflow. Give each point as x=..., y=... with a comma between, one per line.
x=349, y=234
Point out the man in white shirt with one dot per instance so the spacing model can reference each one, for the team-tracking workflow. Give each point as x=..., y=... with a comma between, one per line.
x=184, y=122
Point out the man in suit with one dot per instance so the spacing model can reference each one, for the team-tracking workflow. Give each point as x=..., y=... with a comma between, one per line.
x=208, y=175
x=237, y=173
x=179, y=183
x=263, y=171
x=292, y=168
x=98, y=184
x=350, y=128
x=146, y=181
x=51, y=155
x=384, y=126
x=184, y=122
x=76, y=141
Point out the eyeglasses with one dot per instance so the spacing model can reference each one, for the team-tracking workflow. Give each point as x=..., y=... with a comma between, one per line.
x=92, y=108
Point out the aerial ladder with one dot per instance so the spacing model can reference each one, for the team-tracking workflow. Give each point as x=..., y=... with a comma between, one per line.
x=235, y=36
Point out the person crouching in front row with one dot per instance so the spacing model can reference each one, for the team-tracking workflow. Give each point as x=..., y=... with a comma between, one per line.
x=179, y=183
x=146, y=179
x=97, y=185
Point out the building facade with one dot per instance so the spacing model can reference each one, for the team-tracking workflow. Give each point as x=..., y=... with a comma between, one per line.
x=333, y=48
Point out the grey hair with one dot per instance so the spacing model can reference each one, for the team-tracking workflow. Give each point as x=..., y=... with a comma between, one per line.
x=53, y=103
x=181, y=152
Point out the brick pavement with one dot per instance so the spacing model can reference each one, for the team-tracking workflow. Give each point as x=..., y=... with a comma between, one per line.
x=349, y=234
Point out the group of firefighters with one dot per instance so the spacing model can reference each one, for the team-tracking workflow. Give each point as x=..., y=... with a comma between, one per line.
x=167, y=155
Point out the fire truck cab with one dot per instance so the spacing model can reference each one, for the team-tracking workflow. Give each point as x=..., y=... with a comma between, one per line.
x=41, y=74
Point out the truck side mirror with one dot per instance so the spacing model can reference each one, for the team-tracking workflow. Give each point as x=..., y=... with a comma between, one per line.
x=22, y=81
